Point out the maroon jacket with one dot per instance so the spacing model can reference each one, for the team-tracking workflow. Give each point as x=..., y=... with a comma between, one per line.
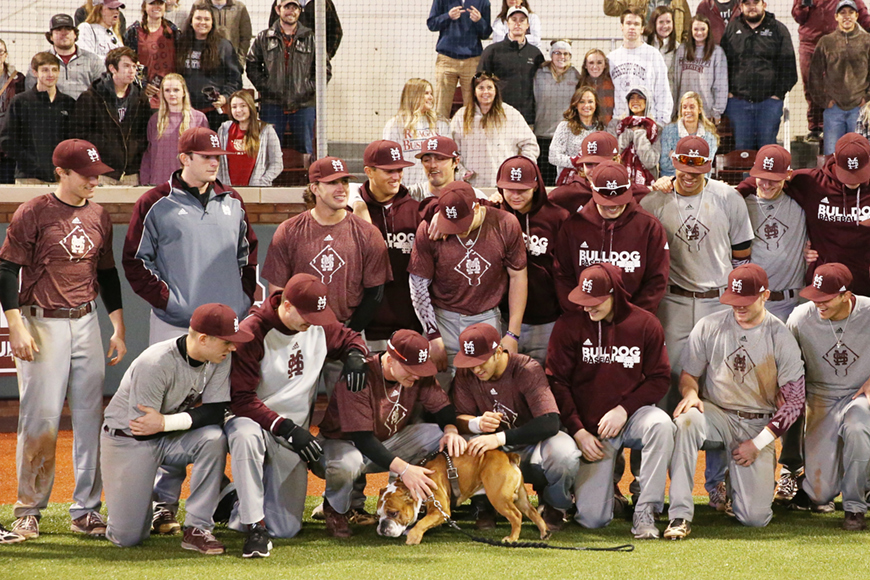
x=573, y=196
x=397, y=221
x=540, y=227
x=717, y=25
x=832, y=227
x=635, y=242
x=818, y=20
x=595, y=366
x=245, y=372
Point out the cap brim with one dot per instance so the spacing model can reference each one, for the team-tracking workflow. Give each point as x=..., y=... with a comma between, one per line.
x=699, y=169
x=318, y=318
x=577, y=296
x=621, y=199
x=336, y=177
x=459, y=226
x=846, y=176
x=593, y=159
x=732, y=299
x=95, y=169
x=397, y=165
x=813, y=294
x=463, y=361
x=211, y=152
x=241, y=336
x=426, y=369
x=771, y=175
x=436, y=153
x=508, y=184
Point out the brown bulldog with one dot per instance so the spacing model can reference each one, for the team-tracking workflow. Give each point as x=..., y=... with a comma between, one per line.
x=495, y=471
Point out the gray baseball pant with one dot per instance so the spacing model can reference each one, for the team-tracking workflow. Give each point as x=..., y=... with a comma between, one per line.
x=451, y=325
x=69, y=365
x=534, y=339
x=551, y=466
x=751, y=486
x=133, y=465
x=837, y=447
x=650, y=429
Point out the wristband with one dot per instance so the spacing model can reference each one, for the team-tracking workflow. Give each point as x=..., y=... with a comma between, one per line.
x=763, y=439
x=502, y=438
x=404, y=471
x=474, y=425
x=177, y=422
x=512, y=335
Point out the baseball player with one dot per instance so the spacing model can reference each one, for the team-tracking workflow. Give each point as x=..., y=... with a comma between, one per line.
x=170, y=407
x=608, y=368
x=752, y=392
x=482, y=258
x=521, y=186
x=709, y=233
x=832, y=335
x=62, y=245
x=504, y=400
x=369, y=430
x=274, y=385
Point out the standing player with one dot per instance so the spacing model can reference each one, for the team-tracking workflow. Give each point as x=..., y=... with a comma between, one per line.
x=832, y=334
x=596, y=147
x=62, y=244
x=505, y=400
x=170, y=406
x=274, y=384
x=752, y=393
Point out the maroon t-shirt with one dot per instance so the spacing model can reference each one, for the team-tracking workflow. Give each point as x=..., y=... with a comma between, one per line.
x=469, y=275
x=348, y=257
x=240, y=165
x=382, y=407
x=520, y=394
x=60, y=248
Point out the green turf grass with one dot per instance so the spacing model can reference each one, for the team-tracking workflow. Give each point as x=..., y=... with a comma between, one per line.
x=796, y=545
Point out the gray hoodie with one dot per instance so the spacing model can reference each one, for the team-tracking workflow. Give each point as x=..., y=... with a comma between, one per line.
x=707, y=78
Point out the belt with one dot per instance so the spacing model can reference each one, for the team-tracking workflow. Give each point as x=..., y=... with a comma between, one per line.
x=72, y=313
x=751, y=416
x=117, y=432
x=782, y=295
x=681, y=292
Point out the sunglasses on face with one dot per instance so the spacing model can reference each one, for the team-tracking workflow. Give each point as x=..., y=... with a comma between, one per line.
x=692, y=160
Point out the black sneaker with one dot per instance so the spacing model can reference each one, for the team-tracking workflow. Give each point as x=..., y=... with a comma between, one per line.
x=854, y=522
x=258, y=544
x=225, y=507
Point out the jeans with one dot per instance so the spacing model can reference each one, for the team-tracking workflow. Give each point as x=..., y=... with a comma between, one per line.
x=754, y=124
x=837, y=123
x=301, y=125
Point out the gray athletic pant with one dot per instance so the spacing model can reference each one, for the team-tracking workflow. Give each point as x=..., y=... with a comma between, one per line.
x=551, y=466
x=70, y=364
x=133, y=465
x=837, y=446
x=271, y=479
x=534, y=339
x=791, y=456
x=451, y=325
x=751, y=487
x=343, y=463
x=649, y=428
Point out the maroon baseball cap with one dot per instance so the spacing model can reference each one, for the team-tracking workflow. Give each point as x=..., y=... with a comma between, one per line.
x=517, y=173
x=829, y=281
x=692, y=155
x=439, y=145
x=80, y=156
x=327, y=169
x=771, y=162
x=594, y=288
x=308, y=295
x=219, y=321
x=385, y=155
x=745, y=284
x=200, y=140
x=456, y=208
x=476, y=345
x=411, y=350
x=110, y=3
x=610, y=184
x=852, y=159
x=598, y=147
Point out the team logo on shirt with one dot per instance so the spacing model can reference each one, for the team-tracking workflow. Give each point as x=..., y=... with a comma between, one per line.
x=841, y=358
x=473, y=266
x=401, y=241
x=327, y=263
x=395, y=417
x=692, y=232
x=627, y=356
x=239, y=144
x=536, y=245
x=625, y=261
x=740, y=363
x=832, y=213
x=295, y=365
x=77, y=244
x=508, y=415
x=771, y=231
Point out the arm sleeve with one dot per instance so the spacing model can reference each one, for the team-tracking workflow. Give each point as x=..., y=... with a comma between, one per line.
x=247, y=253
x=668, y=142
x=438, y=17
x=740, y=229
x=786, y=76
x=340, y=340
x=483, y=27
x=255, y=66
x=863, y=15
x=140, y=255
x=232, y=70
x=445, y=416
x=9, y=285
x=245, y=31
x=533, y=36
x=558, y=154
x=818, y=67
x=244, y=379
x=800, y=12
x=720, y=82
x=369, y=446
x=562, y=357
x=87, y=39
x=647, y=152
x=422, y=303
x=794, y=394
x=274, y=157
x=334, y=32
x=110, y=289
x=654, y=283
x=207, y=414
x=564, y=277
x=368, y=307
x=536, y=430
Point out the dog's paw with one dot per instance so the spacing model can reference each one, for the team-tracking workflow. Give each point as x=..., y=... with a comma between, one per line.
x=509, y=540
x=413, y=538
x=546, y=535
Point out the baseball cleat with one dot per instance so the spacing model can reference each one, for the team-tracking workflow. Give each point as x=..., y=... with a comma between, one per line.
x=644, y=525
x=7, y=537
x=201, y=541
x=854, y=522
x=719, y=497
x=258, y=544
x=164, y=522
x=317, y=513
x=678, y=529
x=91, y=524
x=27, y=527
x=786, y=487
x=336, y=523
x=361, y=517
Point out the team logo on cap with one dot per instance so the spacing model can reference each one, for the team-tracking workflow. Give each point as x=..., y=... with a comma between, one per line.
x=468, y=347
x=612, y=185
x=451, y=212
x=235, y=324
x=395, y=153
x=214, y=141
x=93, y=155
x=737, y=286
x=516, y=174
x=852, y=162
x=423, y=355
x=767, y=163
x=432, y=144
x=817, y=281
x=694, y=152
x=592, y=148
x=321, y=302
x=337, y=165
x=587, y=285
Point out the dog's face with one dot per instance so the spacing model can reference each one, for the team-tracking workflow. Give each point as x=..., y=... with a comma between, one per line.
x=396, y=510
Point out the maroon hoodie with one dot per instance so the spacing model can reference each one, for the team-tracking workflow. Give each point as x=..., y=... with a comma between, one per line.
x=833, y=229
x=397, y=220
x=595, y=366
x=710, y=9
x=635, y=242
x=577, y=194
x=540, y=227
x=818, y=20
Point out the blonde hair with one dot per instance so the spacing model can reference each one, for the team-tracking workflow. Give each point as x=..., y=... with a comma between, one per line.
x=95, y=16
x=495, y=117
x=163, y=112
x=411, y=105
x=703, y=121
x=255, y=125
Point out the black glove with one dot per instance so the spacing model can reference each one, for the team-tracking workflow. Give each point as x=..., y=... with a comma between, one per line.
x=301, y=440
x=355, y=371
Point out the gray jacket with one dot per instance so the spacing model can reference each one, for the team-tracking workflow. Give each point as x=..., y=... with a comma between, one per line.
x=270, y=159
x=77, y=75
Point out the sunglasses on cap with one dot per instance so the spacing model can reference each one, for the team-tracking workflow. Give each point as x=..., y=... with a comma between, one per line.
x=692, y=160
x=611, y=189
